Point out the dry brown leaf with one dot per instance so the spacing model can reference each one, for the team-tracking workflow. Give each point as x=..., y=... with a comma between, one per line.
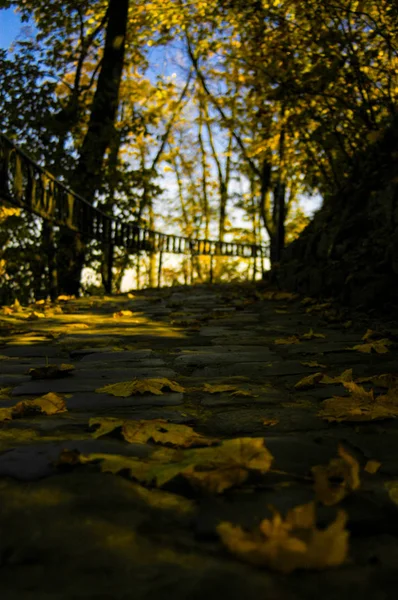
x=248, y=393
x=219, y=388
x=377, y=346
x=5, y=414
x=310, y=335
x=342, y=378
x=77, y=326
x=360, y=406
x=372, y=466
x=51, y=371
x=293, y=339
x=212, y=470
x=334, y=481
x=309, y=381
x=385, y=380
x=49, y=404
x=270, y=422
x=158, y=430
x=313, y=363
x=34, y=316
x=122, y=314
x=155, y=386
x=290, y=544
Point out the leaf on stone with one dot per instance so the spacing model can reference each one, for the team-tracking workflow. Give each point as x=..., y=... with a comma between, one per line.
x=2, y=357
x=5, y=414
x=290, y=544
x=342, y=378
x=64, y=298
x=77, y=326
x=243, y=393
x=124, y=389
x=334, y=481
x=376, y=346
x=5, y=393
x=211, y=470
x=158, y=430
x=385, y=380
x=49, y=404
x=121, y=314
x=372, y=466
x=309, y=381
x=293, y=339
x=313, y=363
x=7, y=310
x=318, y=307
x=360, y=406
x=310, y=335
x=270, y=422
x=280, y=311
x=392, y=489
x=219, y=389
x=51, y=371
x=34, y=316
x=370, y=335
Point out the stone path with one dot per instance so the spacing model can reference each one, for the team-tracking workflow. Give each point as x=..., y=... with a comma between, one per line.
x=71, y=531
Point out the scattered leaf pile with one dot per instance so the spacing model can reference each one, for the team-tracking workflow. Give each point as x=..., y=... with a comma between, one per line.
x=290, y=544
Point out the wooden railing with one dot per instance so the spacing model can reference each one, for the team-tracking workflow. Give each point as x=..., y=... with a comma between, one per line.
x=25, y=184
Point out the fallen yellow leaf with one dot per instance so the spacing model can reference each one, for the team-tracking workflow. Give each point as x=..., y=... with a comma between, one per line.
x=309, y=381
x=51, y=371
x=372, y=466
x=34, y=316
x=335, y=480
x=313, y=363
x=219, y=389
x=290, y=544
x=377, y=346
x=64, y=298
x=293, y=339
x=360, y=406
x=247, y=393
x=270, y=422
x=212, y=470
x=122, y=314
x=310, y=335
x=48, y=404
x=140, y=386
x=343, y=377
x=158, y=430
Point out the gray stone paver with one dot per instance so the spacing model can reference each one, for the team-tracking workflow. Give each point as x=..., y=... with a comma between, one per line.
x=107, y=537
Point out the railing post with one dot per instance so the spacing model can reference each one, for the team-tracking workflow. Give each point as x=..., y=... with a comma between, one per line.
x=211, y=267
x=160, y=269
x=109, y=274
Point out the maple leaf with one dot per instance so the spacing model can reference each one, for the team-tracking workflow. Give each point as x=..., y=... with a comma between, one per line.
x=334, y=481
x=310, y=335
x=313, y=363
x=343, y=377
x=378, y=346
x=158, y=430
x=156, y=386
x=309, y=381
x=34, y=316
x=290, y=544
x=49, y=404
x=270, y=422
x=51, y=371
x=361, y=406
x=293, y=339
x=219, y=388
x=122, y=313
x=372, y=466
x=212, y=470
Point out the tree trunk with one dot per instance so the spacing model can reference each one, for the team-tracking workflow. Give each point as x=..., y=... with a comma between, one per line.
x=87, y=177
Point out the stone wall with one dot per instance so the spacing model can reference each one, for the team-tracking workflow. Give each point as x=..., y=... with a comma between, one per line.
x=350, y=249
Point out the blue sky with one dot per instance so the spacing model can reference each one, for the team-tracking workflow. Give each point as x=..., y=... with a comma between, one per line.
x=10, y=25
